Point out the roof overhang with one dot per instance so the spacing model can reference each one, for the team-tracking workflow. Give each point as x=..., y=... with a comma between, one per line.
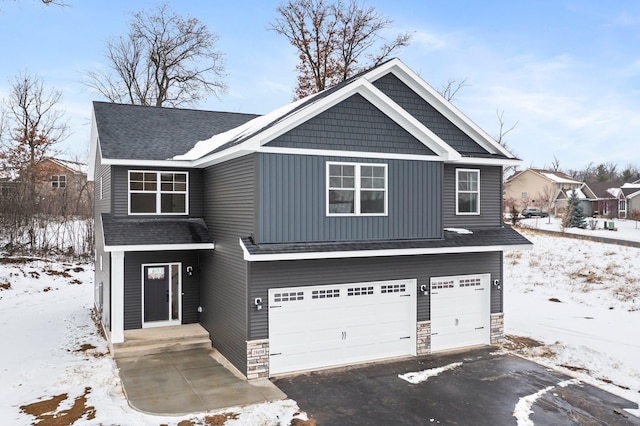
x=160, y=247
x=270, y=257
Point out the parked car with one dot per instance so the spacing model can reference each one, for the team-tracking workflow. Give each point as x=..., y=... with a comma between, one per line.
x=533, y=211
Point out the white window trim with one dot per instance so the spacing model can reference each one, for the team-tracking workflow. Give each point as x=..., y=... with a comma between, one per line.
x=357, y=189
x=458, y=212
x=158, y=193
x=102, y=187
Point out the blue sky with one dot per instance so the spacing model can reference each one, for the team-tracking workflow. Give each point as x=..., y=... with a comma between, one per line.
x=568, y=72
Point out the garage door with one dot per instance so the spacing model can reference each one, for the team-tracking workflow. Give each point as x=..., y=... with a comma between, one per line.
x=460, y=311
x=321, y=326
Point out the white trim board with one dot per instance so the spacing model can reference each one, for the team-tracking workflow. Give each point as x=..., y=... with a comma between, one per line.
x=160, y=247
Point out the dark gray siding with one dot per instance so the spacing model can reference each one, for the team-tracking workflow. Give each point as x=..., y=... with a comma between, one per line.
x=265, y=275
x=409, y=100
x=490, y=198
x=133, y=262
x=229, y=213
x=120, y=189
x=102, y=205
x=352, y=125
x=292, y=201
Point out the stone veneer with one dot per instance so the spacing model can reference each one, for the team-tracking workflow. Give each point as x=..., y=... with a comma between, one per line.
x=497, y=328
x=423, y=338
x=257, y=359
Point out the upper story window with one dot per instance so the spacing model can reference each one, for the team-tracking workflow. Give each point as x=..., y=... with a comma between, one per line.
x=356, y=189
x=58, y=181
x=153, y=192
x=467, y=191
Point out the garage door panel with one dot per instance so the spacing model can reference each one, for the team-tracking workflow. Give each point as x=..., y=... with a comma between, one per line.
x=341, y=324
x=460, y=311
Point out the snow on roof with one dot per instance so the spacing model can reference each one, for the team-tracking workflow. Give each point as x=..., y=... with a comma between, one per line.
x=578, y=192
x=72, y=165
x=207, y=146
x=616, y=192
x=558, y=179
x=459, y=230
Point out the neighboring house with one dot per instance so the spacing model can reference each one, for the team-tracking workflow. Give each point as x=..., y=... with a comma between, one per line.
x=609, y=201
x=631, y=193
x=61, y=187
x=360, y=223
x=545, y=189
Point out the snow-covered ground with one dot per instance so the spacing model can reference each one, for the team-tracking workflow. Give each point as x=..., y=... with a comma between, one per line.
x=582, y=300
x=53, y=362
x=579, y=298
x=625, y=229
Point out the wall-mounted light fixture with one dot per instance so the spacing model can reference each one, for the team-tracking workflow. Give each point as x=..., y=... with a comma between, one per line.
x=424, y=290
x=258, y=303
x=189, y=270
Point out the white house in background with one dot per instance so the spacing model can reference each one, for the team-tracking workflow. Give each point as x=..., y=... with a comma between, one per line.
x=631, y=193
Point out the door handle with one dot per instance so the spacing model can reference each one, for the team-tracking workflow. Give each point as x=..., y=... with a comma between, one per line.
x=457, y=322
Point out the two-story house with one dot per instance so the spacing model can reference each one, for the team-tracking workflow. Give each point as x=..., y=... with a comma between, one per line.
x=360, y=223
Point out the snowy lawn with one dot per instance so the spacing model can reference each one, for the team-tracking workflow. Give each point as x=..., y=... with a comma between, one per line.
x=625, y=229
x=580, y=301
x=53, y=364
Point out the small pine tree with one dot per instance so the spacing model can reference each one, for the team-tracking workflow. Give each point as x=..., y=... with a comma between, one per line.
x=576, y=216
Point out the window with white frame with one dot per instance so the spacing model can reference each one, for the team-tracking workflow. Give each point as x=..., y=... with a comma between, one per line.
x=467, y=191
x=356, y=189
x=58, y=181
x=152, y=192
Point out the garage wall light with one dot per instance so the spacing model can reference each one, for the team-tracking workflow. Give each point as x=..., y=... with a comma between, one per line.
x=258, y=303
x=424, y=290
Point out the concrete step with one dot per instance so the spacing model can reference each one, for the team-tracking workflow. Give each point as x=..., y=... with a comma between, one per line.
x=152, y=348
x=157, y=340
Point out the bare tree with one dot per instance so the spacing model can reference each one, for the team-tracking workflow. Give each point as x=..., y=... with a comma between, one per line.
x=451, y=88
x=500, y=137
x=334, y=40
x=164, y=60
x=555, y=164
x=33, y=125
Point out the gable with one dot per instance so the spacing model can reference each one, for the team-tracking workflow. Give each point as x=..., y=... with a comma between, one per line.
x=352, y=125
x=415, y=105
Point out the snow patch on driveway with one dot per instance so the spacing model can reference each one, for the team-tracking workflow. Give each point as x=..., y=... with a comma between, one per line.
x=523, y=407
x=422, y=376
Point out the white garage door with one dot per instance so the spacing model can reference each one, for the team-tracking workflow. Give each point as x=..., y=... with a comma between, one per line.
x=460, y=311
x=321, y=326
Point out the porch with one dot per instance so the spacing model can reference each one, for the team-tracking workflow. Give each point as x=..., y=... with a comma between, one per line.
x=159, y=340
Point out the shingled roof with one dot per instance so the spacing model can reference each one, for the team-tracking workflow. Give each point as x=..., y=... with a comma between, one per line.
x=154, y=133
x=482, y=238
x=119, y=232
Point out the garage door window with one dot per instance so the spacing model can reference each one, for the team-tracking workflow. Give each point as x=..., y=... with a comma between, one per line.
x=437, y=285
x=288, y=297
x=470, y=282
x=325, y=294
x=359, y=291
x=393, y=288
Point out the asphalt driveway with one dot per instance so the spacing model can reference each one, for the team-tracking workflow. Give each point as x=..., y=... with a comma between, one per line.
x=486, y=389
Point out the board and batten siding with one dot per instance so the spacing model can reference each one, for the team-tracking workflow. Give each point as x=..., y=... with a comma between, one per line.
x=490, y=198
x=133, y=262
x=266, y=275
x=352, y=125
x=121, y=194
x=293, y=201
x=415, y=105
x=229, y=204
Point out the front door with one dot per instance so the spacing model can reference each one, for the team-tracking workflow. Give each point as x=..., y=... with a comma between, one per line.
x=161, y=295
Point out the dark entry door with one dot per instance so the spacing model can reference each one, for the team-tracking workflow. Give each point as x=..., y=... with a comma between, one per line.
x=156, y=293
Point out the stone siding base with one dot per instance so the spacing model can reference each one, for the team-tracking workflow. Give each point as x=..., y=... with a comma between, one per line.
x=257, y=359
x=497, y=328
x=423, y=338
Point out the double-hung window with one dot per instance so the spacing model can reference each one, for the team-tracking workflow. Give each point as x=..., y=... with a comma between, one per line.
x=467, y=191
x=356, y=189
x=152, y=192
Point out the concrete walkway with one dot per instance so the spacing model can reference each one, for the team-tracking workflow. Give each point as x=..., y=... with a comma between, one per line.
x=178, y=383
